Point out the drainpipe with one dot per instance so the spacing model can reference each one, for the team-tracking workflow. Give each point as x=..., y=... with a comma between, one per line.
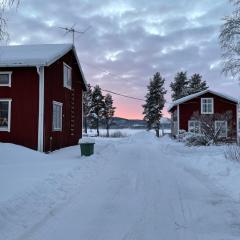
x=40, y=71
x=238, y=105
x=178, y=120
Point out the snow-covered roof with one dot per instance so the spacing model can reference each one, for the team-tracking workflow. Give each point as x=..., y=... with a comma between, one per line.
x=189, y=97
x=34, y=55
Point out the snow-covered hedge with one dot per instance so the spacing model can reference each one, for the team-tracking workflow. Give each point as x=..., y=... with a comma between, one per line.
x=192, y=139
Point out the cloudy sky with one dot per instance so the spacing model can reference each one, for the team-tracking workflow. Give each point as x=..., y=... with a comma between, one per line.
x=130, y=40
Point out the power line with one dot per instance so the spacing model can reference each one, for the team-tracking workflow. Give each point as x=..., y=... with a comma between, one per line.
x=115, y=75
x=123, y=95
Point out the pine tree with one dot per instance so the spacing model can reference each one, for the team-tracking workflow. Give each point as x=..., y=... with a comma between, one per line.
x=196, y=84
x=97, y=107
x=87, y=103
x=179, y=86
x=108, y=112
x=154, y=102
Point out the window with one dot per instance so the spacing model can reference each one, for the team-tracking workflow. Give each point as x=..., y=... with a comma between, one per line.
x=221, y=127
x=67, y=76
x=5, y=114
x=57, y=116
x=5, y=79
x=206, y=105
x=194, y=126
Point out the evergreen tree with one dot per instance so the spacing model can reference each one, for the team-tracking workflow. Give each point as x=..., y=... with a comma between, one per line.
x=179, y=86
x=108, y=112
x=87, y=103
x=97, y=107
x=196, y=84
x=154, y=102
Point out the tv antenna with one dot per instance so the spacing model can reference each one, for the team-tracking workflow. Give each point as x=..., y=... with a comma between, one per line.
x=72, y=30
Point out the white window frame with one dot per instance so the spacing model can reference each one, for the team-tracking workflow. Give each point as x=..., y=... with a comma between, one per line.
x=194, y=121
x=202, y=99
x=9, y=79
x=226, y=126
x=8, y=128
x=65, y=81
x=54, y=128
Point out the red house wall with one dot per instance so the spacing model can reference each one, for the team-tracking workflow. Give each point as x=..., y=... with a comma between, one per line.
x=221, y=105
x=24, y=107
x=72, y=105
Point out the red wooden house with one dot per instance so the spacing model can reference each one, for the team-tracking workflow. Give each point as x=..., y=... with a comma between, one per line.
x=41, y=90
x=205, y=102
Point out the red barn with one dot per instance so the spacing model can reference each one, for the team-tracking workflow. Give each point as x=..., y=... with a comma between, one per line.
x=205, y=102
x=41, y=90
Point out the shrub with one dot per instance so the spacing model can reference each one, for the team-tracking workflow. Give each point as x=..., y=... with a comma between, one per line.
x=196, y=140
x=232, y=152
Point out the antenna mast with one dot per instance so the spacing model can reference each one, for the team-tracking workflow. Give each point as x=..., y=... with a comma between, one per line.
x=72, y=30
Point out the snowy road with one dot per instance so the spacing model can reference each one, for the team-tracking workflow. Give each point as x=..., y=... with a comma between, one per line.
x=143, y=193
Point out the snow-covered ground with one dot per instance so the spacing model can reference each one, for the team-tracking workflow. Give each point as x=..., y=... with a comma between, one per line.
x=138, y=187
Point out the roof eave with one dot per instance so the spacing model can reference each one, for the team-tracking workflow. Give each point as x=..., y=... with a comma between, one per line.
x=199, y=94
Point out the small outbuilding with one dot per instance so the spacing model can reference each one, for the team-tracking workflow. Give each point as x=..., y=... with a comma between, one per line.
x=41, y=89
x=207, y=102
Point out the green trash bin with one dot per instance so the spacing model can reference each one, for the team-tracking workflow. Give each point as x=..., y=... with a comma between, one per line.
x=87, y=147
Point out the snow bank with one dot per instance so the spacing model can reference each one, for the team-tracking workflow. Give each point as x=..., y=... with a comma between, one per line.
x=210, y=162
x=34, y=185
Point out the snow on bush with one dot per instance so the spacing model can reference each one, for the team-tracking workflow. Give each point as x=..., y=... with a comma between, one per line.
x=232, y=152
x=192, y=139
x=196, y=140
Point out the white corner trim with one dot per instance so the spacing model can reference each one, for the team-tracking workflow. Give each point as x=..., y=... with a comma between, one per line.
x=9, y=78
x=178, y=119
x=8, y=128
x=237, y=122
x=40, y=70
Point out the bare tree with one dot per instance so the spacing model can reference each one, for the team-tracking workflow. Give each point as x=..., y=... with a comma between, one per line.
x=208, y=128
x=4, y=5
x=230, y=42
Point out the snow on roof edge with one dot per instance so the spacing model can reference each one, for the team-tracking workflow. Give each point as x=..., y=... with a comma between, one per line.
x=47, y=62
x=189, y=97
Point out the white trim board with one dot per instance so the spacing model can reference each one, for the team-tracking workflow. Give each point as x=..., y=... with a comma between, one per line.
x=40, y=71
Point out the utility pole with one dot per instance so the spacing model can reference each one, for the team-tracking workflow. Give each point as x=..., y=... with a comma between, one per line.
x=72, y=30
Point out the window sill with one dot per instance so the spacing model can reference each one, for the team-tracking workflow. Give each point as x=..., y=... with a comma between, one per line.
x=207, y=113
x=57, y=130
x=4, y=130
x=5, y=85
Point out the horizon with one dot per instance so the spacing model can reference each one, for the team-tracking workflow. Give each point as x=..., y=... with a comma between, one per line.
x=129, y=41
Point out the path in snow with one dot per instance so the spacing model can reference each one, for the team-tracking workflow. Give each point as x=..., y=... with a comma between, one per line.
x=142, y=194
